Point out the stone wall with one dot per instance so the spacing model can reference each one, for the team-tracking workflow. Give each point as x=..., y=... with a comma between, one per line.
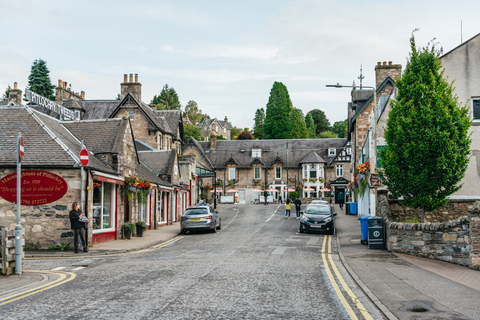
x=456, y=241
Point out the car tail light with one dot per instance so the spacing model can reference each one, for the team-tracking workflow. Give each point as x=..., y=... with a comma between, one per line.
x=208, y=217
x=183, y=219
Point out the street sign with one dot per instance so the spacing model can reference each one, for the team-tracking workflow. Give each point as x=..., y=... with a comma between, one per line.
x=21, y=149
x=374, y=181
x=84, y=157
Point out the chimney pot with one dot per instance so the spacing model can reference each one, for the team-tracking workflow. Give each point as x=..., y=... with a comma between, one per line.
x=384, y=63
x=14, y=86
x=59, y=83
x=82, y=94
x=65, y=84
x=389, y=63
x=131, y=77
x=379, y=63
x=125, y=78
x=136, y=77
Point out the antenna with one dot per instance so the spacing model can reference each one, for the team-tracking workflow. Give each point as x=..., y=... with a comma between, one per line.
x=361, y=77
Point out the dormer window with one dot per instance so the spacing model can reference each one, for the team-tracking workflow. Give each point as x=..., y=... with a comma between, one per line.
x=256, y=153
x=332, y=152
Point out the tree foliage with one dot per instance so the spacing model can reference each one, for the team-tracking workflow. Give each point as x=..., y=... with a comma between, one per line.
x=6, y=93
x=167, y=100
x=277, y=124
x=191, y=131
x=299, y=127
x=234, y=132
x=311, y=127
x=340, y=128
x=320, y=120
x=39, y=80
x=327, y=135
x=245, y=135
x=193, y=112
x=427, y=135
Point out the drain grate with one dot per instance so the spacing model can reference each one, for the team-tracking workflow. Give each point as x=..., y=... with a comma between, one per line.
x=417, y=307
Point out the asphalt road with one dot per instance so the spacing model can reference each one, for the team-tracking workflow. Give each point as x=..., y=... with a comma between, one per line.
x=256, y=267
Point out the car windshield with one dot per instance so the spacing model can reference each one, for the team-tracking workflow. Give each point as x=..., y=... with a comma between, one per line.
x=318, y=210
x=196, y=211
x=319, y=202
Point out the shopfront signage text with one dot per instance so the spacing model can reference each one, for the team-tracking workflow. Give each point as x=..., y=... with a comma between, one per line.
x=38, y=187
x=67, y=114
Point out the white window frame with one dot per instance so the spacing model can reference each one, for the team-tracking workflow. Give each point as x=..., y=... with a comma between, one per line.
x=339, y=170
x=306, y=171
x=332, y=152
x=257, y=173
x=278, y=173
x=313, y=167
x=113, y=209
x=349, y=151
x=231, y=173
x=256, y=153
x=473, y=115
x=131, y=115
x=144, y=210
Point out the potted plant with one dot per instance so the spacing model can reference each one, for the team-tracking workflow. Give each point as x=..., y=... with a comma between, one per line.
x=140, y=227
x=127, y=229
x=256, y=181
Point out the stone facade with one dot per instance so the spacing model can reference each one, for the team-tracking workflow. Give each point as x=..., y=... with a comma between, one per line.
x=64, y=93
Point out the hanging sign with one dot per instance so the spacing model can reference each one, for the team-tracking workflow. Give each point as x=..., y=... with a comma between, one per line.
x=38, y=187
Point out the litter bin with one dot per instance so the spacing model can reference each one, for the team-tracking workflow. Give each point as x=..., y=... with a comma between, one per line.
x=347, y=208
x=353, y=208
x=375, y=233
x=364, y=227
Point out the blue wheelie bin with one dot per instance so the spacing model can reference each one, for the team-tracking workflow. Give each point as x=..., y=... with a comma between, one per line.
x=353, y=208
x=364, y=227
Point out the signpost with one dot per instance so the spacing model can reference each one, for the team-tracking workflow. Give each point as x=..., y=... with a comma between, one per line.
x=18, y=226
x=374, y=181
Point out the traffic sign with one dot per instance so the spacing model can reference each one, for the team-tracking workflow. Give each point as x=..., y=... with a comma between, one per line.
x=374, y=181
x=84, y=157
x=21, y=150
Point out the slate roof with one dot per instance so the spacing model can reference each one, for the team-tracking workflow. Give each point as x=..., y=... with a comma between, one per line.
x=312, y=157
x=158, y=161
x=241, y=151
x=47, y=142
x=73, y=104
x=145, y=172
x=98, y=109
x=208, y=123
x=173, y=118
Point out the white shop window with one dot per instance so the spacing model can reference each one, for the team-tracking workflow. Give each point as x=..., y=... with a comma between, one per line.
x=103, y=206
x=144, y=210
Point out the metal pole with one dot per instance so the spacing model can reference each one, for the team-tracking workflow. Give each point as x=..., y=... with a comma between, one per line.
x=18, y=226
x=375, y=105
x=81, y=182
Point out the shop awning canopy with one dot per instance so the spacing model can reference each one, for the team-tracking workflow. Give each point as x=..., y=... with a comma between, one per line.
x=232, y=190
x=324, y=189
x=218, y=190
x=272, y=190
x=257, y=190
x=204, y=172
x=290, y=189
x=308, y=189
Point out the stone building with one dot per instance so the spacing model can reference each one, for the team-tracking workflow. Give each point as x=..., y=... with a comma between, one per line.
x=215, y=127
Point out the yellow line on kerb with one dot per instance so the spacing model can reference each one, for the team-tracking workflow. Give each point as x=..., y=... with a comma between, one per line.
x=355, y=300
x=61, y=280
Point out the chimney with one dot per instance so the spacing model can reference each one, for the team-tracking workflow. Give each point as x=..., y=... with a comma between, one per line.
x=226, y=119
x=15, y=95
x=382, y=71
x=213, y=142
x=82, y=94
x=128, y=86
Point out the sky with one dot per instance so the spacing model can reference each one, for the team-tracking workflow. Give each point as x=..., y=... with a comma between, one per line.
x=224, y=55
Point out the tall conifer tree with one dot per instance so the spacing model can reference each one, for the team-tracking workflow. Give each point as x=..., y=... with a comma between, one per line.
x=299, y=127
x=259, y=119
x=277, y=123
x=39, y=80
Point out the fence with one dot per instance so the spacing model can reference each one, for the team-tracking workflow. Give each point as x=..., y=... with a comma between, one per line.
x=7, y=250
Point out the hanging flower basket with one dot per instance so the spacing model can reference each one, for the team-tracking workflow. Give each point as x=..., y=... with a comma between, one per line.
x=136, y=186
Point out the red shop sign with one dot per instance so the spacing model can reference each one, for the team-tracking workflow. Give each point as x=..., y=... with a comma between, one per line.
x=38, y=187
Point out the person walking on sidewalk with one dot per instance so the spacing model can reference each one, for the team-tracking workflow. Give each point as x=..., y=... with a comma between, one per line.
x=341, y=199
x=288, y=207
x=77, y=221
x=298, y=204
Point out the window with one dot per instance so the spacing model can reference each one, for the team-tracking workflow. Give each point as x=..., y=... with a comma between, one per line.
x=224, y=130
x=332, y=152
x=305, y=171
x=77, y=115
x=103, y=208
x=256, y=153
x=131, y=115
x=476, y=109
x=278, y=173
x=313, y=171
x=349, y=151
x=339, y=170
x=256, y=173
x=231, y=173
x=144, y=210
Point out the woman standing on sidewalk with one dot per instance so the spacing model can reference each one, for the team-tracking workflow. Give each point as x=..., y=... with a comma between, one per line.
x=78, y=226
x=288, y=206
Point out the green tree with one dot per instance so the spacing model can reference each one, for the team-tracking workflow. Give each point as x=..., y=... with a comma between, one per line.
x=119, y=97
x=320, y=120
x=427, y=135
x=6, y=94
x=259, y=120
x=299, y=127
x=327, y=135
x=191, y=130
x=167, y=100
x=245, y=135
x=235, y=131
x=340, y=128
x=39, y=80
x=311, y=127
x=277, y=124
x=193, y=112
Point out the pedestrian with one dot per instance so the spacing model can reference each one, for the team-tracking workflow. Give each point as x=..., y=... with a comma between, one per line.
x=341, y=199
x=202, y=202
x=288, y=206
x=298, y=203
x=77, y=221
x=280, y=198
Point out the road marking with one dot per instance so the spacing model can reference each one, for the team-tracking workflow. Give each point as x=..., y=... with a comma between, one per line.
x=233, y=219
x=58, y=268
x=355, y=300
x=279, y=250
x=79, y=268
x=270, y=217
x=61, y=280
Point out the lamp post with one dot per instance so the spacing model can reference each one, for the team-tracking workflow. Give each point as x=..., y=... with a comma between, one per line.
x=375, y=107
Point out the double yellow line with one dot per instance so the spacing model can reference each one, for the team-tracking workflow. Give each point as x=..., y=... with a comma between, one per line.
x=64, y=278
x=359, y=306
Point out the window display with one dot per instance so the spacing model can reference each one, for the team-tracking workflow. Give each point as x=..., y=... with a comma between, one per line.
x=103, y=208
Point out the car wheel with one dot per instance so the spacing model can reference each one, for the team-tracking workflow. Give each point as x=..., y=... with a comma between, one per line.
x=301, y=229
x=183, y=231
x=214, y=229
x=332, y=231
x=219, y=224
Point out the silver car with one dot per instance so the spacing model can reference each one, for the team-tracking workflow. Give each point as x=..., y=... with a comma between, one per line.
x=319, y=202
x=200, y=218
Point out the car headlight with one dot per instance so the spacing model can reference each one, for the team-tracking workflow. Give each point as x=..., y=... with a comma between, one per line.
x=304, y=219
x=328, y=219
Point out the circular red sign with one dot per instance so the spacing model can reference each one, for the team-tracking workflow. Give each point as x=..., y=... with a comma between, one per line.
x=22, y=150
x=84, y=157
x=38, y=187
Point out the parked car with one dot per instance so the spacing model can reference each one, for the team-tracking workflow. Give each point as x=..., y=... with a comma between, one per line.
x=319, y=202
x=317, y=218
x=200, y=218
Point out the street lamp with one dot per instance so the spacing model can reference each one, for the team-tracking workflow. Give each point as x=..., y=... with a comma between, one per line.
x=374, y=124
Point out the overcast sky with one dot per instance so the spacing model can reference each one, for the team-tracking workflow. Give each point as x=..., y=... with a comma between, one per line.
x=225, y=55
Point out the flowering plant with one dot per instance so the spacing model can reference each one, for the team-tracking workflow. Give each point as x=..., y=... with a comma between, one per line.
x=207, y=186
x=304, y=179
x=96, y=184
x=141, y=224
x=135, y=185
x=232, y=182
x=363, y=168
x=322, y=180
x=312, y=179
x=256, y=181
x=220, y=182
x=291, y=179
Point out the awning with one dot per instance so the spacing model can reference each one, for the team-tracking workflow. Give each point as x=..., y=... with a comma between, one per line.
x=232, y=190
x=100, y=176
x=308, y=189
x=218, y=190
x=257, y=190
x=272, y=190
x=324, y=189
x=290, y=189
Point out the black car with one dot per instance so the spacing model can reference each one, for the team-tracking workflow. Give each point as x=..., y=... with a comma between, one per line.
x=317, y=218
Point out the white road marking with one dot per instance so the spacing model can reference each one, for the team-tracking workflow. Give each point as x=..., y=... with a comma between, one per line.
x=79, y=268
x=58, y=268
x=279, y=250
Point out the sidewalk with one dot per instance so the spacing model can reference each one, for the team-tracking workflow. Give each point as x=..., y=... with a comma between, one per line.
x=404, y=286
